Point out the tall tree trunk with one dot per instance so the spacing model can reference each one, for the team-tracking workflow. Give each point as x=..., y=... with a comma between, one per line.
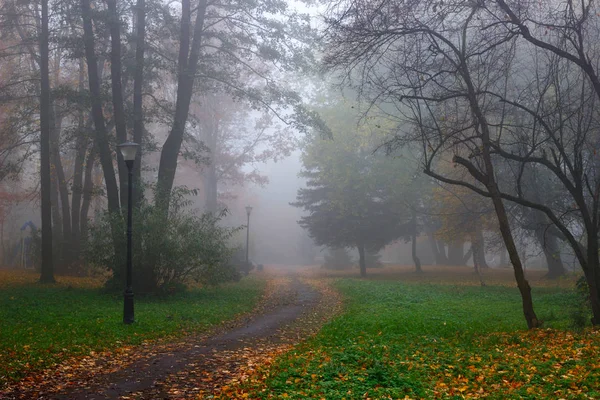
x=57, y=233
x=479, y=249
x=56, y=119
x=47, y=273
x=556, y=267
x=362, y=263
x=57, y=220
x=522, y=283
x=81, y=146
x=138, y=82
x=476, y=265
x=82, y=150
x=61, y=182
x=551, y=250
x=185, y=85
x=489, y=180
x=415, y=258
x=101, y=140
x=88, y=189
x=77, y=191
x=591, y=275
x=114, y=24
x=547, y=241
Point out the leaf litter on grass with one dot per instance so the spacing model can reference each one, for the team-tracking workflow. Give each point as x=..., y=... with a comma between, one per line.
x=253, y=363
x=538, y=363
x=93, y=365
x=370, y=351
x=218, y=374
x=544, y=363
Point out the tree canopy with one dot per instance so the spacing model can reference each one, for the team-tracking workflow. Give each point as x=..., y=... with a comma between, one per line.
x=355, y=196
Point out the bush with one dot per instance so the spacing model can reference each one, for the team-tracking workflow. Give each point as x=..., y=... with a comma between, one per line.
x=167, y=250
x=337, y=259
x=238, y=261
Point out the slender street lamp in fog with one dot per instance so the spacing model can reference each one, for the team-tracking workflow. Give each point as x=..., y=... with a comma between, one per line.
x=128, y=151
x=248, y=211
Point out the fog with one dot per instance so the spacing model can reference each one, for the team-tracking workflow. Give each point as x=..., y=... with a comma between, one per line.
x=275, y=235
x=346, y=132
x=412, y=173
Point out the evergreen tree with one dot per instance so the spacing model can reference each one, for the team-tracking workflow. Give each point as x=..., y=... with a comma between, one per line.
x=354, y=197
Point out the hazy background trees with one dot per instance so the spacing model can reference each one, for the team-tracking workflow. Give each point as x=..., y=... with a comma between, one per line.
x=466, y=128
x=503, y=90
x=120, y=71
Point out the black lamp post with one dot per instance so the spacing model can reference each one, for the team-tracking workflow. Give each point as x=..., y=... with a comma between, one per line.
x=248, y=211
x=128, y=151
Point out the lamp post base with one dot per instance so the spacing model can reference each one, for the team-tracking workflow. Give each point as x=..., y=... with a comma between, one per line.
x=128, y=307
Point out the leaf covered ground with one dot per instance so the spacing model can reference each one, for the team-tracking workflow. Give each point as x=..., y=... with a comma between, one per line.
x=409, y=337
x=43, y=325
x=192, y=365
x=420, y=340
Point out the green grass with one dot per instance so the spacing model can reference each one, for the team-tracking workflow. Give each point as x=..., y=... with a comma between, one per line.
x=44, y=324
x=432, y=340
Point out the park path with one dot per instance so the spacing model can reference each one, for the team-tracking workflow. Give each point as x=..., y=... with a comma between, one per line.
x=200, y=367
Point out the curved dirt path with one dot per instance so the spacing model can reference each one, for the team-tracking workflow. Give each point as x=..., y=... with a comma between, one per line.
x=199, y=367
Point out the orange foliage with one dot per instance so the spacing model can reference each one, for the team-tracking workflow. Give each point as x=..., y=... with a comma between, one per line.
x=462, y=212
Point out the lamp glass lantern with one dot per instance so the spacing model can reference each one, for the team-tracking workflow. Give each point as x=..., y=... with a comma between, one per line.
x=128, y=150
x=248, y=210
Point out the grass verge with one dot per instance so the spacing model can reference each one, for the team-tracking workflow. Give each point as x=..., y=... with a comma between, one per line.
x=45, y=324
x=417, y=340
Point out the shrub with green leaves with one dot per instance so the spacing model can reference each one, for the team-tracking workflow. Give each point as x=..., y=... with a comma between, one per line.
x=168, y=250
